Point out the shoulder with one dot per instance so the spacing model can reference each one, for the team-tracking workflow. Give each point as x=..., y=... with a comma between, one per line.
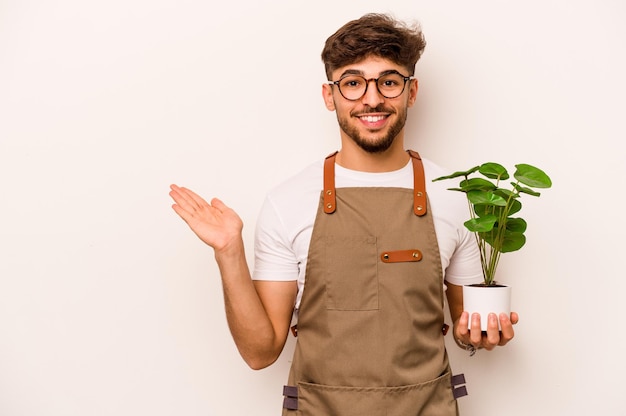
x=433, y=170
x=308, y=180
x=445, y=202
x=290, y=206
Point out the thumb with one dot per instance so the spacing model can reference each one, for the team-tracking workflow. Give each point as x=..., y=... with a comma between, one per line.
x=219, y=205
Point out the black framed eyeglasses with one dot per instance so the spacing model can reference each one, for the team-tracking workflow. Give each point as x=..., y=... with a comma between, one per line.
x=354, y=87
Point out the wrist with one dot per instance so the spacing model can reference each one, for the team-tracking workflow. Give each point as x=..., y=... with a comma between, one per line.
x=231, y=256
x=467, y=347
x=232, y=249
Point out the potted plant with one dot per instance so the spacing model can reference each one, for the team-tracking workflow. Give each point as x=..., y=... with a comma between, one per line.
x=496, y=231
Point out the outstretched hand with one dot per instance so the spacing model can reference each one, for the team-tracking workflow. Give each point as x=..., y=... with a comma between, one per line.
x=214, y=223
x=493, y=337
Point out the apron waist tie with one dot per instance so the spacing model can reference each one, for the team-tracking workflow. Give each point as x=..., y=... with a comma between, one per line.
x=290, y=402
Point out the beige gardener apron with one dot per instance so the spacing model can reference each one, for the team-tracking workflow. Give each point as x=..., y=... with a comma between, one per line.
x=370, y=322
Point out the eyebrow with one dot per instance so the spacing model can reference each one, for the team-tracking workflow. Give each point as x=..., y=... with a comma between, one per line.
x=361, y=73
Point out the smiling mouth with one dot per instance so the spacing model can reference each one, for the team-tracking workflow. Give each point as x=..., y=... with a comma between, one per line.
x=372, y=119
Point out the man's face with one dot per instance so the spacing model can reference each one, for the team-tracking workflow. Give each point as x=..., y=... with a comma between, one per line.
x=372, y=122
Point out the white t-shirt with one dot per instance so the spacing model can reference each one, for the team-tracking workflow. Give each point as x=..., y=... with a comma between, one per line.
x=285, y=223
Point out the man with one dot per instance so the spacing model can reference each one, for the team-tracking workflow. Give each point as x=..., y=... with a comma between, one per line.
x=357, y=248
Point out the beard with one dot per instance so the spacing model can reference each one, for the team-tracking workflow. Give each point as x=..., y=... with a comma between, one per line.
x=372, y=144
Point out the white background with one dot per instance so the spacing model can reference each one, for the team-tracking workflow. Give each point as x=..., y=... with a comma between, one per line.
x=109, y=305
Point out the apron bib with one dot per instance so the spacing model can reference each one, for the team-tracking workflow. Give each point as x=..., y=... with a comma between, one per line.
x=370, y=320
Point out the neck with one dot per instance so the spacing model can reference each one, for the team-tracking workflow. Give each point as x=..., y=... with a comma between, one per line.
x=353, y=157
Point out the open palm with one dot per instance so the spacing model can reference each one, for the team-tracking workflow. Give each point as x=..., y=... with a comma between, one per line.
x=214, y=223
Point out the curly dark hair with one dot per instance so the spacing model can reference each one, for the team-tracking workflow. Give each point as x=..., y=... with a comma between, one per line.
x=374, y=35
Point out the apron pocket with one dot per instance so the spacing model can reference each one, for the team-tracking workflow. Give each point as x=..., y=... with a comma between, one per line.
x=350, y=273
x=425, y=399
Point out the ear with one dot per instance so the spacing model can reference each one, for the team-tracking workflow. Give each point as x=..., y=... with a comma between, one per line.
x=327, y=94
x=413, y=87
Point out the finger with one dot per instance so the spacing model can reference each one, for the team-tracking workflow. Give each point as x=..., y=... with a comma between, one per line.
x=475, y=331
x=175, y=192
x=219, y=205
x=514, y=318
x=493, y=332
x=184, y=214
x=507, y=329
x=193, y=203
x=462, y=329
x=197, y=199
x=181, y=197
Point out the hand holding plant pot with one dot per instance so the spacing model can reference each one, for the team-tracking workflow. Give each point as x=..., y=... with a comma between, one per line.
x=491, y=220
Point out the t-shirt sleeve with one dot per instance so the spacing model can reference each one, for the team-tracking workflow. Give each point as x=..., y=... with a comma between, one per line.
x=464, y=267
x=274, y=258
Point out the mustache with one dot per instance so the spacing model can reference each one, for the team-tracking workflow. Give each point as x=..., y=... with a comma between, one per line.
x=370, y=110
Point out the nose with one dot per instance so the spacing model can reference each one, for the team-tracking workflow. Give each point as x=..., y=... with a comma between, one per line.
x=372, y=96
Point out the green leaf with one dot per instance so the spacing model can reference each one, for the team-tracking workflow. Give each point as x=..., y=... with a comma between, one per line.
x=481, y=225
x=483, y=210
x=524, y=190
x=513, y=207
x=516, y=225
x=494, y=170
x=511, y=242
x=477, y=184
x=485, y=198
x=532, y=176
x=505, y=193
x=458, y=174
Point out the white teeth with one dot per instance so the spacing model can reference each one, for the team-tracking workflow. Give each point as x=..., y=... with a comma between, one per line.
x=372, y=119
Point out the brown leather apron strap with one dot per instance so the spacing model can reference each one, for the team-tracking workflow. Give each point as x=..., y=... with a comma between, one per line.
x=330, y=202
x=419, y=187
x=419, y=184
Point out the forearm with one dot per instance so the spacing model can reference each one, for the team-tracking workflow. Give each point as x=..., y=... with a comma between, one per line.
x=258, y=323
x=454, y=295
x=249, y=323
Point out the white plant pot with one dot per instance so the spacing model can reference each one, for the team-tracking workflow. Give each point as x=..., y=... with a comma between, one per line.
x=485, y=300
